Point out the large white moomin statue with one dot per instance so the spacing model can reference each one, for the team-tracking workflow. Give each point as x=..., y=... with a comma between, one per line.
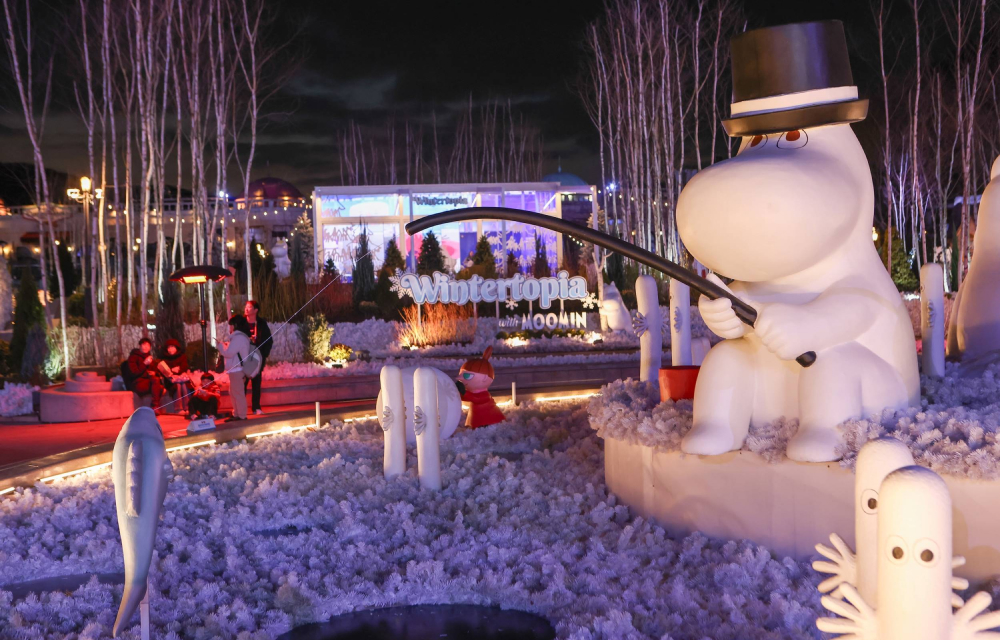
x=789, y=219
x=976, y=316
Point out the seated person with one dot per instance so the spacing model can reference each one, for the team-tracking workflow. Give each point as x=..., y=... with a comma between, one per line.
x=174, y=370
x=143, y=379
x=205, y=401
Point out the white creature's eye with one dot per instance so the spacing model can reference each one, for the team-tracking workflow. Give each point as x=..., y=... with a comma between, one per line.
x=869, y=501
x=753, y=142
x=895, y=547
x=926, y=552
x=793, y=139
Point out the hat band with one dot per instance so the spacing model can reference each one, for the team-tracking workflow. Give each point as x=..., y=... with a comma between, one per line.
x=793, y=100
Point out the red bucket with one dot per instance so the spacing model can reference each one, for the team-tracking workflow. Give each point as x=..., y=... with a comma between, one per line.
x=677, y=383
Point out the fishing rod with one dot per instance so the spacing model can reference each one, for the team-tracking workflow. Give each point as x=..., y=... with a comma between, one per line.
x=706, y=287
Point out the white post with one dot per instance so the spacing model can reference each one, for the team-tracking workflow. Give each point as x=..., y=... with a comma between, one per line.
x=513, y=393
x=651, y=337
x=317, y=416
x=144, y=614
x=680, y=323
x=426, y=427
x=393, y=421
x=932, y=318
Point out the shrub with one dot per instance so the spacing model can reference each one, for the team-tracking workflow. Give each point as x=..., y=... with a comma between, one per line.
x=316, y=334
x=339, y=353
x=431, y=256
x=363, y=278
x=541, y=267
x=35, y=365
x=5, y=369
x=386, y=301
x=27, y=313
x=483, y=259
x=439, y=324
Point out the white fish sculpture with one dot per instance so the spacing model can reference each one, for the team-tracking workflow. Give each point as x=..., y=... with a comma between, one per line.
x=141, y=470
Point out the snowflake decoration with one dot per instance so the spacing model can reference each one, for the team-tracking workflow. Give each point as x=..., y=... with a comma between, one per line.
x=419, y=421
x=512, y=244
x=386, y=418
x=511, y=304
x=396, y=282
x=493, y=239
x=590, y=302
x=678, y=319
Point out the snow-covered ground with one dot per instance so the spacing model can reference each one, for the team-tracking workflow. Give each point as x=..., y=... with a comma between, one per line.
x=15, y=399
x=954, y=431
x=258, y=538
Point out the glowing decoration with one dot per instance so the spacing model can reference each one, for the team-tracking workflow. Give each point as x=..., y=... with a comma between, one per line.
x=444, y=288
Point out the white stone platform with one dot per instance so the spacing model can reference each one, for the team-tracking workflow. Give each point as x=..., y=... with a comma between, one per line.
x=789, y=506
x=87, y=397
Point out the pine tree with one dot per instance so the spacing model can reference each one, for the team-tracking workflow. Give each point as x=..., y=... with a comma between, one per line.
x=28, y=312
x=903, y=275
x=431, y=256
x=483, y=259
x=36, y=352
x=363, y=278
x=541, y=266
x=169, y=317
x=393, y=257
x=512, y=267
x=303, y=243
x=330, y=269
x=71, y=275
x=388, y=302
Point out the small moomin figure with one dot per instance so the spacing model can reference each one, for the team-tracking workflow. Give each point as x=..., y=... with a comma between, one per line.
x=474, y=382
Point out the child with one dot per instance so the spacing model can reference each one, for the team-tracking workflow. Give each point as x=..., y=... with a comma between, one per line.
x=173, y=370
x=205, y=401
x=474, y=381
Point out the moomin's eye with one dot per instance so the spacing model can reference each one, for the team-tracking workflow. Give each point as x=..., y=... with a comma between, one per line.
x=793, y=139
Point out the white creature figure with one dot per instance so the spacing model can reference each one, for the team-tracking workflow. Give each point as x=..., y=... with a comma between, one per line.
x=392, y=416
x=976, y=314
x=914, y=580
x=140, y=470
x=649, y=327
x=426, y=422
x=613, y=309
x=282, y=263
x=449, y=403
x=789, y=219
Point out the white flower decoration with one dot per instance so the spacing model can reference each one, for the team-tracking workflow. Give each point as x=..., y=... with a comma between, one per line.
x=386, y=418
x=419, y=421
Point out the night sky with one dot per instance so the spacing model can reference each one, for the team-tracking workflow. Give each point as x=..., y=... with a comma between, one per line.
x=373, y=59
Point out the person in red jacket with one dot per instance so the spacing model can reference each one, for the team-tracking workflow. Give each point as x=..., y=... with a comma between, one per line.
x=474, y=381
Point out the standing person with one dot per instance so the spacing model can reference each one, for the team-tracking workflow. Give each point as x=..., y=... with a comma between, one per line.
x=260, y=337
x=235, y=350
x=143, y=377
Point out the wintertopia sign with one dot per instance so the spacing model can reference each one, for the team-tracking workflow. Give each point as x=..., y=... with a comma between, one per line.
x=444, y=288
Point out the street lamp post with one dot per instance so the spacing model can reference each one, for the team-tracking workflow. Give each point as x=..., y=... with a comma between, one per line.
x=201, y=275
x=85, y=195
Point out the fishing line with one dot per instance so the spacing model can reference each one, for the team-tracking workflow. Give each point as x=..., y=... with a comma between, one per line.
x=270, y=337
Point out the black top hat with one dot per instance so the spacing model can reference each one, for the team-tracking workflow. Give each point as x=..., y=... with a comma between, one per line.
x=791, y=77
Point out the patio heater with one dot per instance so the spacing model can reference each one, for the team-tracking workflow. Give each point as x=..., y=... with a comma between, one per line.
x=201, y=275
